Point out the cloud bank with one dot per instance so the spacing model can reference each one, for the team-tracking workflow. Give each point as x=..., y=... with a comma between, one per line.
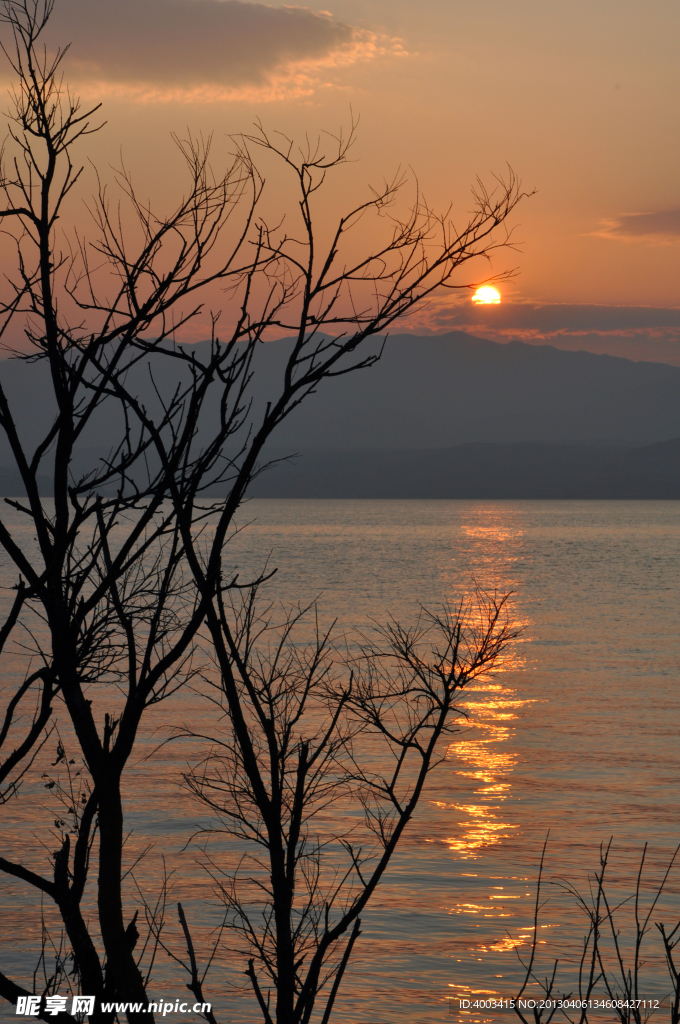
x=662, y=227
x=636, y=332
x=200, y=49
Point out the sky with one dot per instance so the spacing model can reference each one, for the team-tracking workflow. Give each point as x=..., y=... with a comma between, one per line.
x=581, y=98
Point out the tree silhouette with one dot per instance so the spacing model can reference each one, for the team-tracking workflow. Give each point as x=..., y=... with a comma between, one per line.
x=121, y=570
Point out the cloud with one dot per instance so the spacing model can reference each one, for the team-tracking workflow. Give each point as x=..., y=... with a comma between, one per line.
x=637, y=332
x=200, y=49
x=658, y=228
x=547, y=319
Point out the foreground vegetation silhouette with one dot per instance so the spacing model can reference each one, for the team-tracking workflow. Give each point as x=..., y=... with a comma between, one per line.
x=123, y=592
x=614, y=965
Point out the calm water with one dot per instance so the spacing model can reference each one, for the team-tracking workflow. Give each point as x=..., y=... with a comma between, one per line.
x=578, y=735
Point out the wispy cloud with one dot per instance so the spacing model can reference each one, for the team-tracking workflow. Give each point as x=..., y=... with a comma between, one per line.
x=656, y=228
x=203, y=49
x=637, y=332
x=552, y=318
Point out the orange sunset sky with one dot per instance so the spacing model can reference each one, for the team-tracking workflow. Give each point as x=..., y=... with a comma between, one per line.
x=580, y=97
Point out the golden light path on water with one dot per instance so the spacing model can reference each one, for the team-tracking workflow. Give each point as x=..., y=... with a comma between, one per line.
x=486, y=757
x=487, y=762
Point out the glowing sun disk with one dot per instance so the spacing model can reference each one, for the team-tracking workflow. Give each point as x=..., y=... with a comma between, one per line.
x=486, y=296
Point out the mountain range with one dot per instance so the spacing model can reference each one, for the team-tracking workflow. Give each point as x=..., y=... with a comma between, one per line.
x=446, y=416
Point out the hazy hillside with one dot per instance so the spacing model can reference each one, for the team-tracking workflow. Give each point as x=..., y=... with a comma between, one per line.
x=453, y=389
x=480, y=470
x=425, y=394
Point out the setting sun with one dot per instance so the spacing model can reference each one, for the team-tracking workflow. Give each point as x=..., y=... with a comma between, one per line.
x=486, y=296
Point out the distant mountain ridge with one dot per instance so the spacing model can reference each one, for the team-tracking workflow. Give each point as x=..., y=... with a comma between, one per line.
x=524, y=470
x=442, y=393
x=477, y=470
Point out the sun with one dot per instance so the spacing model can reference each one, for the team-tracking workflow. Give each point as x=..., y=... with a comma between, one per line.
x=486, y=296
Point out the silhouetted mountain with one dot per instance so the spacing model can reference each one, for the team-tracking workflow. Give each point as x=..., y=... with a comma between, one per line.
x=446, y=393
x=455, y=388
x=478, y=470
x=11, y=484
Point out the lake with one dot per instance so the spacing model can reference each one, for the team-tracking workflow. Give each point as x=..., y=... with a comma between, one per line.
x=577, y=735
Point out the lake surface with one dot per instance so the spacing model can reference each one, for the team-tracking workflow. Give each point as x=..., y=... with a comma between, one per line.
x=577, y=735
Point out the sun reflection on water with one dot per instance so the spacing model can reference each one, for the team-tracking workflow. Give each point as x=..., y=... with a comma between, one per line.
x=484, y=757
x=488, y=760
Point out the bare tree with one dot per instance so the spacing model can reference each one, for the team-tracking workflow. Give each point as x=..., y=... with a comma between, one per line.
x=14, y=764
x=310, y=738
x=611, y=963
x=121, y=578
